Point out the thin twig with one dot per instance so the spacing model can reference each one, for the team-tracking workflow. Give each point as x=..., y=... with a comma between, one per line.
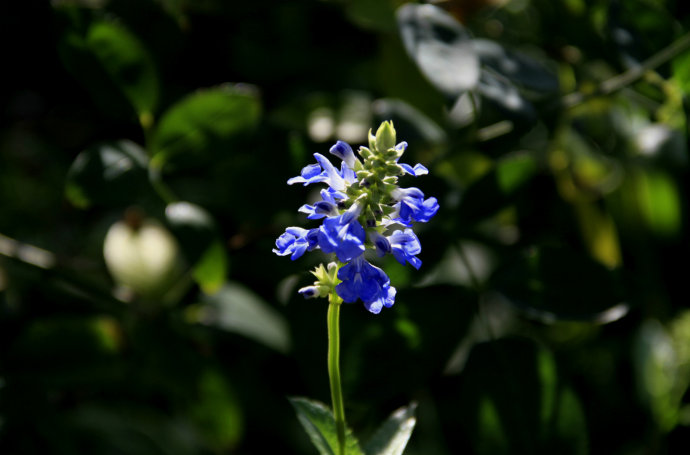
x=626, y=78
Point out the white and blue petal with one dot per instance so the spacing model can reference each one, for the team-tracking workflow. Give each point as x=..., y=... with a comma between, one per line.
x=343, y=151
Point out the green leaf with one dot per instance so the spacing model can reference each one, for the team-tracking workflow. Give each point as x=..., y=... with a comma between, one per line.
x=659, y=201
x=204, y=125
x=129, y=64
x=212, y=268
x=392, y=437
x=237, y=309
x=317, y=420
x=109, y=173
x=681, y=71
x=440, y=46
x=662, y=367
x=196, y=230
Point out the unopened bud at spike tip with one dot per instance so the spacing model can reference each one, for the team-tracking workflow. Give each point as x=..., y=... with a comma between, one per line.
x=385, y=137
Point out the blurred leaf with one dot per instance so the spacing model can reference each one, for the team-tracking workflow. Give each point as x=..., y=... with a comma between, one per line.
x=392, y=437
x=440, y=46
x=497, y=188
x=193, y=226
x=656, y=366
x=464, y=169
x=86, y=67
x=108, y=59
x=126, y=60
x=662, y=367
x=378, y=15
x=502, y=94
x=599, y=233
x=658, y=201
x=109, y=173
x=141, y=430
x=197, y=232
x=512, y=402
x=317, y=420
x=216, y=412
x=523, y=70
x=556, y=283
x=680, y=67
x=237, y=309
x=427, y=325
x=202, y=125
x=211, y=270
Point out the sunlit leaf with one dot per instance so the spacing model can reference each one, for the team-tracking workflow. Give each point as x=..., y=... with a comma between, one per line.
x=203, y=125
x=659, y=201
x=657, y=373
x=317, y=420
x=681, y=71
x=211, y=270
x=440, y=46
x=599, y=232
x=110, y=173
x=392, y=437
x=662, y=366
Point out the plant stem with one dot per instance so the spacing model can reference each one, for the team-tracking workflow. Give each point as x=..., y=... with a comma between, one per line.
x=334, y=369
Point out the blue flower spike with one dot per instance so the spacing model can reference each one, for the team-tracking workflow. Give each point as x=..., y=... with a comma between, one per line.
x=362, y=208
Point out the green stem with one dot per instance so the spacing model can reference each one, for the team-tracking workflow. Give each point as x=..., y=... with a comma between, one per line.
x=334, y=369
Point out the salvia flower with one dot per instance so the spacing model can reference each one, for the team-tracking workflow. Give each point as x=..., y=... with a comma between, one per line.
x=362, y=207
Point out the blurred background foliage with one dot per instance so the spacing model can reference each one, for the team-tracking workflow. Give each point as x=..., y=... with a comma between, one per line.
x=551, y=313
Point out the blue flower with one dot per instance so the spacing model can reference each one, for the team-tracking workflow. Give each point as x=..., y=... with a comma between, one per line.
x=361, y=280
x=343, y=235
x=413, y=207
x=310, y=174
x=415, y=171
x=343, y=151
x=296, y=241
x=324, y=171
x=309, y=292
x=403, y=244
x=326, y=207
